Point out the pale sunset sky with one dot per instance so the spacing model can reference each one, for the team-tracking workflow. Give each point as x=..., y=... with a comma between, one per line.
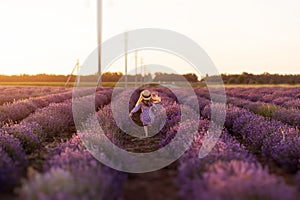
x=48, y=36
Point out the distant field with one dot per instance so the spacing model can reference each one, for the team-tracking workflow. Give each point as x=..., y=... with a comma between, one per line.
x=111, y=84
x=34, y=83
x=45, y=84
x=106, y=84
x=261, y=85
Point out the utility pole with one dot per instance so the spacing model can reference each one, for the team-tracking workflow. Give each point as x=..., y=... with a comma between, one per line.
x=136, y=65
x=142, y=71
x=99, y=29
x=146, y=73
x=126, y=57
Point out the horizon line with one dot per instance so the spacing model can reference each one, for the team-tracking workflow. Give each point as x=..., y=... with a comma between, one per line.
x=249, y=73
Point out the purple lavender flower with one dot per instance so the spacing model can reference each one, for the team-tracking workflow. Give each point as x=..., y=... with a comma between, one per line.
x=19, y=110
x=9, y=175
x=27, y=135
x=241, y=180
x=13, y=94
x=74, y=174
x=56, y=119
x=13, y=148
x=286, y=152
x=289, y=116
x=295, y=104
x=232, y=114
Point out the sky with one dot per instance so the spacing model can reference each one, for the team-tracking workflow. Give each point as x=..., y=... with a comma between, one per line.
x=256, y=36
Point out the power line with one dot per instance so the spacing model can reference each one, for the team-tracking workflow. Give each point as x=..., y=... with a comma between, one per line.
x=76, y=67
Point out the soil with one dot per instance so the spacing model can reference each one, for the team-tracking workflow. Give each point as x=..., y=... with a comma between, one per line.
x=157, y=185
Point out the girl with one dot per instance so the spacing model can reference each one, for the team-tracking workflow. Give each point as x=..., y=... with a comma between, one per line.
x=145, y=102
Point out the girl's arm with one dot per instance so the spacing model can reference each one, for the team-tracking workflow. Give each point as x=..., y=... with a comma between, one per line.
x=136, y=108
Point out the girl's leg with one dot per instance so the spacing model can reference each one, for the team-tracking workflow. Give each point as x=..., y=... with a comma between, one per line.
x=146, y=130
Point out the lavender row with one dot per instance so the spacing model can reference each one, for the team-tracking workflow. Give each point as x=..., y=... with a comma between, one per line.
x=73, y=173
x=13, y=162
x=234, y=180
x=268, y=92
x=12, y=94
x=229, y=171
x=57, y=120
x=274, y=140
x=289, y=116
x=27, y=137
x=21, y=109
x=17, y=140
x=286, y=97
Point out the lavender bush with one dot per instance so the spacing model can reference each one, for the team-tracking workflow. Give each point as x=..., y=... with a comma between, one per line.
x=286, y=151
x=254, y=129
x=19, y=110
x=275, y=140
x=13, y=148
x=13, y=162
x=9, y=174
x=182, y=142
x=74, y=174
x=290, y=116
x=12, y=94
x=55, y=120
x=239, y=180
x=29, y=134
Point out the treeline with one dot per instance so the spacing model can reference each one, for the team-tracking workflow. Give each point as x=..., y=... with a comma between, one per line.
x=106, y=77
x=34, y=78
x=175, y=77
x=265, y=78
x=244, y=78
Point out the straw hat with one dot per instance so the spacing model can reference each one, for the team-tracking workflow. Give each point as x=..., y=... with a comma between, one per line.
x=146, y=95
x=155, y=98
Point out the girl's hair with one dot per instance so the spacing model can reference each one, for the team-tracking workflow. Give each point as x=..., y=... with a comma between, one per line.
x=146, y=102
x=140, y=100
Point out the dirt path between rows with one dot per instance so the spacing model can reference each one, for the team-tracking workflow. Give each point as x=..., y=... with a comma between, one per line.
x=157, y=185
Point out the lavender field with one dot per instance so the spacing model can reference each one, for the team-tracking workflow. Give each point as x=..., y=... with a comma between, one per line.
x=256, y=157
